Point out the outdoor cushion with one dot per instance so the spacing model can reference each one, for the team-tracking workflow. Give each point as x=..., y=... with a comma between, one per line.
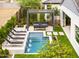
x=40, y=24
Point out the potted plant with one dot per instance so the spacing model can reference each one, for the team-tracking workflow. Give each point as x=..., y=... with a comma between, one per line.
x=57, y=16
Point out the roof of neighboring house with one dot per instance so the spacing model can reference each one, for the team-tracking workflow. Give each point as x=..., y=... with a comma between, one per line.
x=2, y=1
x=77, y=1
x=9, y=5
x=53, y=2
x=77, y=4
x=7, y=10
x=72, y=5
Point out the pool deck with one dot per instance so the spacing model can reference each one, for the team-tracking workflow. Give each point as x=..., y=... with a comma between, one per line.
x=20, y=48
x=15, y=48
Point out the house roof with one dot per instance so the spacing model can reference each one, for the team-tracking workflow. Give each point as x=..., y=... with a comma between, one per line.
x=77, y=4
x=53, y=2
x=77, y=1
x=9, y=5
x=72, y=5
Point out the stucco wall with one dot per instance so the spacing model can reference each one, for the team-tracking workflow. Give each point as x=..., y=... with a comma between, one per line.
x=74, y=21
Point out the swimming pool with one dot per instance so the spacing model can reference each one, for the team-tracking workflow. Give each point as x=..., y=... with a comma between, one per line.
x=35, y=42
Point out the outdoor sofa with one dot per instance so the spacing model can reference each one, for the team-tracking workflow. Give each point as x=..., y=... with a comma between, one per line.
x=40, y=24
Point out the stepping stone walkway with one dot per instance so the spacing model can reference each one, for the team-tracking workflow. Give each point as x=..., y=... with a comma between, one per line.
x=49, y=33
x=61, y=33
x=55, y=33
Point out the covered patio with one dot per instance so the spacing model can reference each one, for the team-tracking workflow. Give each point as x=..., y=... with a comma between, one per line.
x=41, y=24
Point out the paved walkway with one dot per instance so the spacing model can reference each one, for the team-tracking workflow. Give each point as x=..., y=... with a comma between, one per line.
x=58, y=33
x=55, y=33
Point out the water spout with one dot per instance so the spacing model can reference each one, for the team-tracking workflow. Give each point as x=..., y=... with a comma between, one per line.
x=28, y=50
x=30, y=45
x=30, y=41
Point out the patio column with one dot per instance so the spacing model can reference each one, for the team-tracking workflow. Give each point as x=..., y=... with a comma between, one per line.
x=61, y=18
x=46, y=13
x=27, y=21
x=53, y=20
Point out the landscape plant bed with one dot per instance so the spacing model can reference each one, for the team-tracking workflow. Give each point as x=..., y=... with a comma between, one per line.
x=62, y=49
x=4, y=31
x=59, y=49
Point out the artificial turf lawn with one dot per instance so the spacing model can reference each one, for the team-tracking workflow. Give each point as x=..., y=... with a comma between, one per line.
x=26, y=56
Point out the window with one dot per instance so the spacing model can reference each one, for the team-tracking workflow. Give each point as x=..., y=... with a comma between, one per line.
x=77, y=34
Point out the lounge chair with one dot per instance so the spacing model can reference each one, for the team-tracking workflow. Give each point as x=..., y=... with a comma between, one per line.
x=14, y=42
x=19, y=31
x=18, y=34
x=16, y=37
x=14, y=45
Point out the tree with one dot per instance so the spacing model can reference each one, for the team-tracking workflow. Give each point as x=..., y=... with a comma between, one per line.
x=29, y=4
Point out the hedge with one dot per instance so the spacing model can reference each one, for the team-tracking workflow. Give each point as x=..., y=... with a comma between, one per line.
x=4, y=31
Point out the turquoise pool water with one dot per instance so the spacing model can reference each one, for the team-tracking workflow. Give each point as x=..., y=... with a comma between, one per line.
x=35, y=42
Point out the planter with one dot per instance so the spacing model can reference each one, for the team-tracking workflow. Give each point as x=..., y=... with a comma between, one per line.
x=57, y=20
x=57, y=17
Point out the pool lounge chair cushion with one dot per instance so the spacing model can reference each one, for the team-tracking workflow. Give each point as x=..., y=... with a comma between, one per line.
x=14, y=42
x=16, y=37
x=18, y=31
x=18, y=34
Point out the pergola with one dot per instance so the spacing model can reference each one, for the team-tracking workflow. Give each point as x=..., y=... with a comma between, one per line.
x=35, y=11
x=53, y=1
